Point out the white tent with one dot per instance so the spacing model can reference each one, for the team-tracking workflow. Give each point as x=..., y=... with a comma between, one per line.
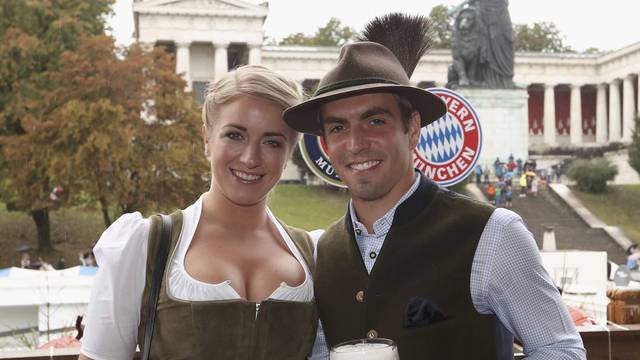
x=45, y=301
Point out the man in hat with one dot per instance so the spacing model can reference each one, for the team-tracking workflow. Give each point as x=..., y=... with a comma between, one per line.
x=443, y=276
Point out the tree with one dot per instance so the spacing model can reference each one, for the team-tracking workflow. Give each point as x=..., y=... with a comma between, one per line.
x=539, y=37
x=536, y=37
x=170, y=167
x=332, y=34
x=592, y=50
x=124, y=133
x=634, y=147
x=33, y=35
x=591, y=175
x=441, y=21
x=304, y=172
x=112, y=127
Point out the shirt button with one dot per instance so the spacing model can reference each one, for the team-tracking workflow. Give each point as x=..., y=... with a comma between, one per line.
x=372, y=334
x=360, y=296
x=373, y=255
x=358, y=232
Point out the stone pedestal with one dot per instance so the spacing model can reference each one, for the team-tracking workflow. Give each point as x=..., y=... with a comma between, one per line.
x=549, y=238
x=503, y=115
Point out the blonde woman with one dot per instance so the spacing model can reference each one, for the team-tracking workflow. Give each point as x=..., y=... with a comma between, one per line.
x=237, y=283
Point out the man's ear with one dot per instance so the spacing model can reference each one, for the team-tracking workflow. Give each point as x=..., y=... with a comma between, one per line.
x=414, y=129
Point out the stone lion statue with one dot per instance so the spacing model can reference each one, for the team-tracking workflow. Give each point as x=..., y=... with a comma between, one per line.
x=469, y=51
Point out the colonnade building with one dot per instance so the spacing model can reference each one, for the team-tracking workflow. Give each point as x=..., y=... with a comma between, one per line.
x=576, y=100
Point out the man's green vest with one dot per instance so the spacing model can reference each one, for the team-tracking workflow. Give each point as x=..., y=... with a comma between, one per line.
x=418, y=292
x=227, y=329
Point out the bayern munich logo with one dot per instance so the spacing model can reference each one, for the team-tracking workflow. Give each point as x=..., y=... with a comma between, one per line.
x=314, y=153
x=449, y=147
x=447, y=150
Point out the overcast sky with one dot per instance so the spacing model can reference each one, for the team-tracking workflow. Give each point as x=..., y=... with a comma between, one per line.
x=607, y=25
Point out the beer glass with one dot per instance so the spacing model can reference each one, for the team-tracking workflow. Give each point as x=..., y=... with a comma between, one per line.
x=369, y=349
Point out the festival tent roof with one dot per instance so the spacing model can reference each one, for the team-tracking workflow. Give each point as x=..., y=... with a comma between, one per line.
x=22, y=287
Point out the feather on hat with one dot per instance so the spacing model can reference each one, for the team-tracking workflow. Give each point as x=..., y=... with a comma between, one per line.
x=408, y=37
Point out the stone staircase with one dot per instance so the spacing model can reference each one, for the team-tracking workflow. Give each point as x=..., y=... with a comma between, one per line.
x=571, y=232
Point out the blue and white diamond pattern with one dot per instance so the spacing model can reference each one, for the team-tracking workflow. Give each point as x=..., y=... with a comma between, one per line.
x=441, y=140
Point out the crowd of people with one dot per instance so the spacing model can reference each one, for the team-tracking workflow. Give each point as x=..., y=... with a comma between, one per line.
x=86, y=258
x=527, y=177
x=633, y=257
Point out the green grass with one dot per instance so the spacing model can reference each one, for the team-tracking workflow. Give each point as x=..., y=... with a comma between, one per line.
x=72, y=231
x=618, y=206
x=77, y=229
x=308, y=207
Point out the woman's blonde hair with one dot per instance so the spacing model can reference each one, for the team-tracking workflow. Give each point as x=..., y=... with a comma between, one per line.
x=249, y=80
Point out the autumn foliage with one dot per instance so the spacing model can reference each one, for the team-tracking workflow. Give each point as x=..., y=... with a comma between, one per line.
x=124, y=132
x=113, y=127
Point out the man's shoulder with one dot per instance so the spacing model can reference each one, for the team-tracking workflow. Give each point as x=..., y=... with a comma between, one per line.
x=336, y=226
x=504, y=218
x=334, y=232
x=462, y=201
x=295, y=231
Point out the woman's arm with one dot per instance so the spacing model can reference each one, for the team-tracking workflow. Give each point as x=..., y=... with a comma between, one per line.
x=113, y=314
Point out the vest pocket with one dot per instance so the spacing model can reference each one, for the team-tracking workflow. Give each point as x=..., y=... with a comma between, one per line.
x=435, y=339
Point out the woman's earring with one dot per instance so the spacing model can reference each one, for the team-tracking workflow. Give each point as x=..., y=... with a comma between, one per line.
x=206, y=150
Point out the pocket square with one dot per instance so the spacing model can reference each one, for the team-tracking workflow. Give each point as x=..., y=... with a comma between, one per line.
x=422, y=312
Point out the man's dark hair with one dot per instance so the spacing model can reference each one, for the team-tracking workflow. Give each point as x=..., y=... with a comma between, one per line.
x=406, y=109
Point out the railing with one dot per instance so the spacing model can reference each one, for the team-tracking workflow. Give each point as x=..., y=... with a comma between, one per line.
x=617, y=342
x=42, y=354
x=620, y=342
x=45, y=354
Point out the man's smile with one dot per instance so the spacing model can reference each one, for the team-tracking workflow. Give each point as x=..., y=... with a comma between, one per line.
x=365, y=165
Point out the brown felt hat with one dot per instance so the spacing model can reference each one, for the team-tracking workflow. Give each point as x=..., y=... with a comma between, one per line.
x=363, y=67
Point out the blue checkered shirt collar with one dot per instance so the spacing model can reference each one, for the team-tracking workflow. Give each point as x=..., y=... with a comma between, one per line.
x=381, y=226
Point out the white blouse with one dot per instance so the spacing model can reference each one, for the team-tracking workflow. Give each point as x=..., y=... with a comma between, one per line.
x=113, y=314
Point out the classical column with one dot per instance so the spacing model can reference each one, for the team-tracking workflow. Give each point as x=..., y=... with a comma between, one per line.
x=601, y=114
x=221, y=65
x=549, y=115
x=615, y=131
x=628, y=111
x=182, y=61
x=576, y=115
x=255, y=54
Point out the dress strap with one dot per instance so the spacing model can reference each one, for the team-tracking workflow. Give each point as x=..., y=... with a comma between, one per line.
x=303, y=242
x=163, y=236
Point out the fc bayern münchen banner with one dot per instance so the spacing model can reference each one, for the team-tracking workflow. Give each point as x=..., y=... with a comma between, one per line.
x=447, y=150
